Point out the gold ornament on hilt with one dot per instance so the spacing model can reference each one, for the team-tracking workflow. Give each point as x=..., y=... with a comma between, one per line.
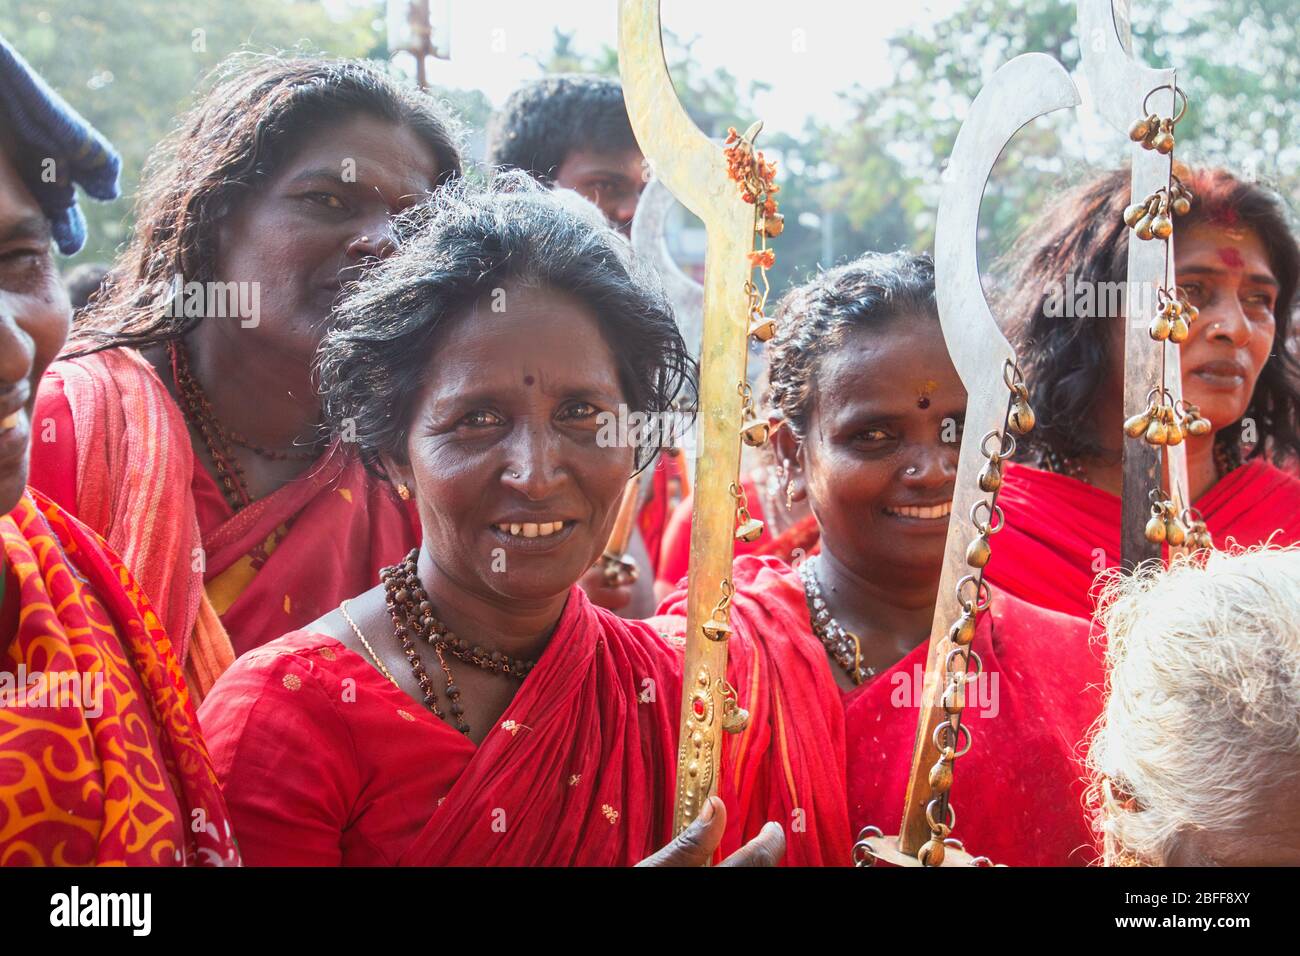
x=997, y=411
x=730, y=188
x=1145, y=105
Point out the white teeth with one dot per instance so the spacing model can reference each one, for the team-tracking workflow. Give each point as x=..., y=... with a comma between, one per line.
x=530, y=529
x=9, y=421
x=933, y=511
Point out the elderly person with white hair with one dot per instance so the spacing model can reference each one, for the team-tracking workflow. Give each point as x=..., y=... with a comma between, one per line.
x=1198, y=747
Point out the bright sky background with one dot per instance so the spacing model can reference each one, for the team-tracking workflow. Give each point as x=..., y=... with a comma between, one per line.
x=843, y=44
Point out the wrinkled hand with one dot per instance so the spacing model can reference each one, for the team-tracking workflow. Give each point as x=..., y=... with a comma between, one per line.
x=695, y=845
x=614, y=597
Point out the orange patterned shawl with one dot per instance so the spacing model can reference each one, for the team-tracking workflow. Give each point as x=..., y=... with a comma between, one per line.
x=100, y=757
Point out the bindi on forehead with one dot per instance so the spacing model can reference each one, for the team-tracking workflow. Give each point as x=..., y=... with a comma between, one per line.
x=925, y=391
x=1231, y=257
x=529, y=380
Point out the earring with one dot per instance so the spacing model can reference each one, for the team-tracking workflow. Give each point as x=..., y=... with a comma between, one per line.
x=789, y=494
x=403, y=492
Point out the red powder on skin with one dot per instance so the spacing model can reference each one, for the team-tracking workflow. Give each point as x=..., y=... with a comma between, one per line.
x=1231, y=258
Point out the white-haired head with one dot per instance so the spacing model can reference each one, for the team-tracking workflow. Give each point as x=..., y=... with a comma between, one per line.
x=1197, y=754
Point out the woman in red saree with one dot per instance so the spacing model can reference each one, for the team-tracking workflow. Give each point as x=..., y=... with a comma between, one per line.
x=183, y=424
x=476, y=707
x=1238, y=262
x=100, y=757
x=871, y=408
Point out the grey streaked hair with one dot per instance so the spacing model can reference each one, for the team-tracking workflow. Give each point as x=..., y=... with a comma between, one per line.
x=1202, y=716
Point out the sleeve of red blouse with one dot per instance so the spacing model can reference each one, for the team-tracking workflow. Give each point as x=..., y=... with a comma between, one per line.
x=284, y=757
x=53, y=469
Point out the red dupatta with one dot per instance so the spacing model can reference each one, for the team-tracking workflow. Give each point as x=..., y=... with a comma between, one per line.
x=1061, y=533
x=117, y=773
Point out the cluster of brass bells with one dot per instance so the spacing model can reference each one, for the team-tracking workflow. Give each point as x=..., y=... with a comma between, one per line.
x=1164, y=526
x=1021, y=419
x=1198, y=535
x=1153, y=132
x=1153, y=217
x=1173, y=321
x=1159, y=424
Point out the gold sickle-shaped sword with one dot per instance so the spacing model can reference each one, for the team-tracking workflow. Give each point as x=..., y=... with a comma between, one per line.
x=1117, y=88
x=1021, y=90
x=695, y=170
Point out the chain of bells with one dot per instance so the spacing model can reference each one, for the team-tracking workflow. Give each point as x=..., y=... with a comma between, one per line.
x=755, y=178
x=1164, y=422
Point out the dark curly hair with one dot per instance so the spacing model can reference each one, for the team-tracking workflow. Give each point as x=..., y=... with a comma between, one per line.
x=453, y=251
x=257, y=110
x=542, y=122
x=1065, y=361
x=812, y=320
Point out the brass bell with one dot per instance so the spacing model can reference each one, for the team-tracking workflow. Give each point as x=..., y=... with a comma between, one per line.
x=734, y=717
x=1136, y=425
x=1156, y=432
x=1162, y=227
x=1140, y=129
x=1182, y=205
x=1175, y=535
x=1143, y=228
x=761, y=327
x=749, y=530
x=932, y=853
x=1179, y=330
x=990, y=479
x=978, y=552
x=1134, y=213
x=1199, y=426
x=941, y=772
x=1190, y=312
x=1163, y=141
x=755, y=432
x=1155, y=529
x=716, y=630
x=963, y=630
x=774, y=225
x=1022, y=416
x=1159, y=328
x=1173, y=433
x=1172, y=309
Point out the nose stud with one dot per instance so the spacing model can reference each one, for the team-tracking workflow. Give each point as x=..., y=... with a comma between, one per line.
x=911, y=470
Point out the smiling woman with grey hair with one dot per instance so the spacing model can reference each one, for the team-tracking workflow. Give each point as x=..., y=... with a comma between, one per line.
x=1198, y=750
x=491, y=714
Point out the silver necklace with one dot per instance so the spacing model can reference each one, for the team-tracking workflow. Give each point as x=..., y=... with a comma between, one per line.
x=842, y=645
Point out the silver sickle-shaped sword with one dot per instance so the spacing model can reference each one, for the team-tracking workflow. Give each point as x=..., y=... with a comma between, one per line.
x=1117, y=84
x=1023, y=89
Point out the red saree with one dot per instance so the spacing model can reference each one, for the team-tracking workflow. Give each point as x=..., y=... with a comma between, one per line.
x=1019, y=791
x=100, y=757
x=1061, y=532
x=121, y=459
x=324, y=762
